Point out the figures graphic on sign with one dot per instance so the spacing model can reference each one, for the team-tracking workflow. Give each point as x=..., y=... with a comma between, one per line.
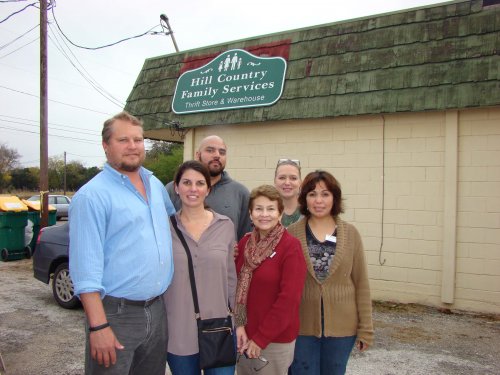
x=230, y=63
x=234, y=61
x=227, y=62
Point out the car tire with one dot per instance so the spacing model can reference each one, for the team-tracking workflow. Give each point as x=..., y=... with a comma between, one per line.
x=27, y=252
x=5, y=255
x=62, y=288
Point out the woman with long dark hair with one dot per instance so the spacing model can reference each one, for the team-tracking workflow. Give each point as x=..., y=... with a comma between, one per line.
x=210, y=238
x=336, y=310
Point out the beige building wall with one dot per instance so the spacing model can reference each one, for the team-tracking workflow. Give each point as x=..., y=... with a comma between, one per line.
x=432, y=178
x=478, y=224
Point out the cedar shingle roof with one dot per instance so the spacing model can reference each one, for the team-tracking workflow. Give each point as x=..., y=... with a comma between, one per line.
x=432, y=58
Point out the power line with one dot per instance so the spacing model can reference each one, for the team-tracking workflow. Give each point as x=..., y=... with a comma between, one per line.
x=55, y=136
x=86, y=76
x=98, y=85
x=19, y=11
x=86, y=156
x=56, y=101
x=53, y=123
x=19, y=37
x=27, y=44
x=52, y=128
x=107, y=45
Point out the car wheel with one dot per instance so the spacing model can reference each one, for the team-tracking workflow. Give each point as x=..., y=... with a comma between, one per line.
x=4, y=254
x=27, y=252
x=62, y=288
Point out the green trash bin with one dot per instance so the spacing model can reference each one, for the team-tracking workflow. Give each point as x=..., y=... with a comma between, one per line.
x=33, y=224
x=13, y=220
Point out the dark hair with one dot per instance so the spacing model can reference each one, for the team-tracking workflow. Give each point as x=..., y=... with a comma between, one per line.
x=268, y=191
x=309, y=184
x=195, y=166
x=107, y=128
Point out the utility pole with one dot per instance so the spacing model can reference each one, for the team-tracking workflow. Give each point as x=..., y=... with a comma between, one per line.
x=169, y=31
x=65, y=172
x=44, y=159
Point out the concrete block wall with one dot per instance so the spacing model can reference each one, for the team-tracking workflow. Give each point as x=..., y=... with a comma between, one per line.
x=392, y=170
x=478, y=219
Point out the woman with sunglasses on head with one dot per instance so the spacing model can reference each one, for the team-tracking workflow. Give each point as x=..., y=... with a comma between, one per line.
x=210, y=239
x=271, y=273
x=336, y=310
x=287, y=180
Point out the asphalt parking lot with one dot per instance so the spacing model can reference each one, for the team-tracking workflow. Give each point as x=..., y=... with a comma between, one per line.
x=37, y=337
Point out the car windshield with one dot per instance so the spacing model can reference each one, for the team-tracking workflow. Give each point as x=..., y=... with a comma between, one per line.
x=34, y=198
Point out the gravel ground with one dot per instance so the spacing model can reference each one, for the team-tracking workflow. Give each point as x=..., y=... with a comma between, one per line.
x=38, y=337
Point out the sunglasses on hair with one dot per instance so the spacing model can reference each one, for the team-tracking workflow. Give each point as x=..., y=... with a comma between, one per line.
x=293, y=161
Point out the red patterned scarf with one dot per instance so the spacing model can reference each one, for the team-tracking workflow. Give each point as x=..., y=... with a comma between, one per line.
x=256, y=251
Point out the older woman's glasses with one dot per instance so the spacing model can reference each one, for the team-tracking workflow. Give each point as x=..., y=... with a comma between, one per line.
x=257, y=363
x=288, y=161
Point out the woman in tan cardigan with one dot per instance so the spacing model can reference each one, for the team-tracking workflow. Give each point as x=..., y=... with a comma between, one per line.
x=336, y=310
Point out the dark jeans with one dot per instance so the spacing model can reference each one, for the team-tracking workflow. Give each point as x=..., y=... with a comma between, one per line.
x=142, y=330
x=190, y=365
x=321, y=356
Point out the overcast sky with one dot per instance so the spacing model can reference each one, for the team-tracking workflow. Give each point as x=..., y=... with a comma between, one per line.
x=76, y=109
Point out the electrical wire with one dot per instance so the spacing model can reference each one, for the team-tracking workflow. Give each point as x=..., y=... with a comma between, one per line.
x=27, y=44
x=56, y=101
x=86, y=156
x=17, y=12
x=19, y=37
x=100, y=47
x=53, y=123
x=81, y=71
x=52, y=128
x=88, y=141
x=97, y=84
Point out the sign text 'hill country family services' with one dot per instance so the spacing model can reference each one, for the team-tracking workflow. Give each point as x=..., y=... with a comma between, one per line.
x=234, y=79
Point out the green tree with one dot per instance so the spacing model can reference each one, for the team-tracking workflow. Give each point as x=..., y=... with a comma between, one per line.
x=163, y=160
x=56, y=173
x=25, y=178
x=90, y=173
x=76, y=175
x=9, y=159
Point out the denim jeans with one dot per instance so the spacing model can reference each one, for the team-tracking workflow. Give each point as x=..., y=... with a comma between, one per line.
x=143, y=333
x=190, y=365
x=321, y=356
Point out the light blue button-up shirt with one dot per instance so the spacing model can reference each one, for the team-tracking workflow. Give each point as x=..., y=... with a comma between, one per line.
x=120, y=244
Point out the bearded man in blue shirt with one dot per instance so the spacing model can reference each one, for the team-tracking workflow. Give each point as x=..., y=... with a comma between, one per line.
x=121, y=257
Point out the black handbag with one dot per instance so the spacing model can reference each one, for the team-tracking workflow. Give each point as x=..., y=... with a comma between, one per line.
x=215, y=336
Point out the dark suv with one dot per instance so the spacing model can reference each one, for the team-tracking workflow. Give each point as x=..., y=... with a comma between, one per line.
x=51, y=260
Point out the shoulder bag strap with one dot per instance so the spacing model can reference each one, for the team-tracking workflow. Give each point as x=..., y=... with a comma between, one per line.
x=190, y=264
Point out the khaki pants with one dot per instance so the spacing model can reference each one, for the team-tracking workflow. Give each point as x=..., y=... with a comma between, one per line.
x=279, y=356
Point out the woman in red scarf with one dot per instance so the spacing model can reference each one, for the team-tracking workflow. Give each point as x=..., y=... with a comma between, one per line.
x=271, y=273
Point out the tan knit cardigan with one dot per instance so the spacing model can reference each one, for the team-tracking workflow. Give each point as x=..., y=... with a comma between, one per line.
x=345, y=292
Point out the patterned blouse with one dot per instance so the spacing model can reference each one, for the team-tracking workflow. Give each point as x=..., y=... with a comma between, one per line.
x=321, y=253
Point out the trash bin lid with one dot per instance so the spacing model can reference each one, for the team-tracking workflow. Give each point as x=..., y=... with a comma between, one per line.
x=11, y=203
x=35, y=205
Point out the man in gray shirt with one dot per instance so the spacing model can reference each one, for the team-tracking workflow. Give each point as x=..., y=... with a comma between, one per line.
x=227, y=197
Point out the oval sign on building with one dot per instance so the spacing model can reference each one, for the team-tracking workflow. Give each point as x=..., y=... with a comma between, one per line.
x=234, y=79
